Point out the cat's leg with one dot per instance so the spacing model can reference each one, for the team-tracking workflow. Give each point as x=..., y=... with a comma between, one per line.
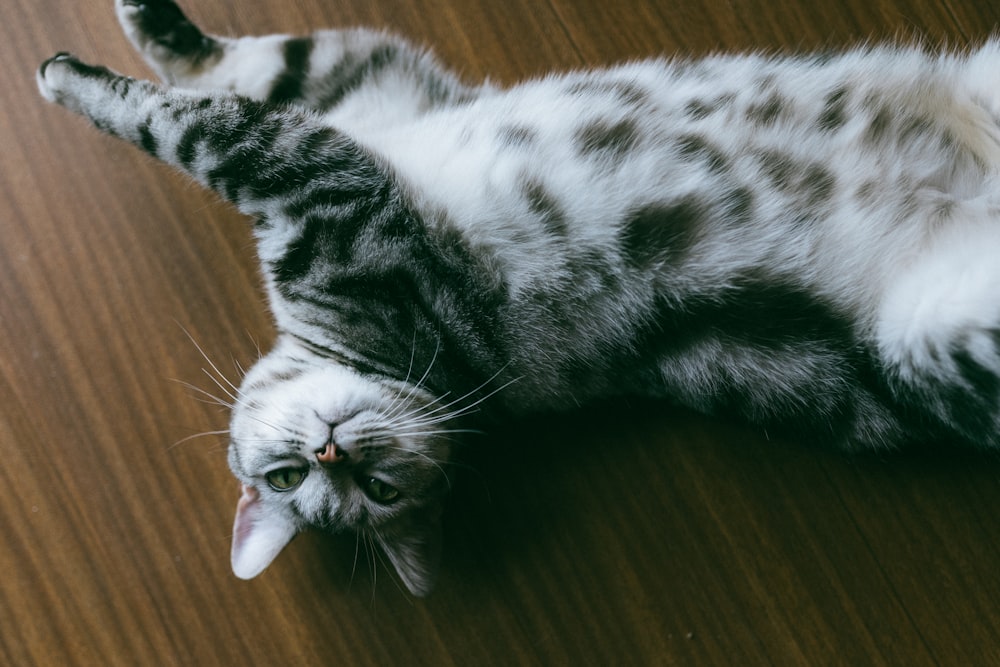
x=938, y=333
x=273, y=162
x=177, y=50
x=320, y=71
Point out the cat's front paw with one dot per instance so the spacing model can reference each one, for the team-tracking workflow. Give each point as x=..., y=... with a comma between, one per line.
x=60, y=77
x=51, y=75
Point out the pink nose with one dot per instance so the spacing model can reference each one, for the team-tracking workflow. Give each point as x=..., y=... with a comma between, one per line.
x=331, y=454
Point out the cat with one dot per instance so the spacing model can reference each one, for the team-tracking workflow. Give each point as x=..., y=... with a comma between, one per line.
x=805, y=242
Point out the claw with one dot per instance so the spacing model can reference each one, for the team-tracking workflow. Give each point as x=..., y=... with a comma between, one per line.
x=62, y=55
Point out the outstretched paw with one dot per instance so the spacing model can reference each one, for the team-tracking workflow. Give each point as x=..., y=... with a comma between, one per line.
x=55, y=75
x=86, y=89
x=159, y=29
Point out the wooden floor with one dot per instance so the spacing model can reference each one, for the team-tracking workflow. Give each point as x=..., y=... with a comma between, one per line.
x=627, y=535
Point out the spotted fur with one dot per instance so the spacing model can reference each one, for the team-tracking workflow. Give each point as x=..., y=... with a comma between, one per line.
x=807, y=243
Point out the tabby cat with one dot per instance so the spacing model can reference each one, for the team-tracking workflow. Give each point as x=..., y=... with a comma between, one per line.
x=808, y=243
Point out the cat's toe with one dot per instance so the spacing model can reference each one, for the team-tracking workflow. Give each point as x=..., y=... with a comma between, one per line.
x=129, y=10
x=62, y=55
x=62, y=77
x=50, y=74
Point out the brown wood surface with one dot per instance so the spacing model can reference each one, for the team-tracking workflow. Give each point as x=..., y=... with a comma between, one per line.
x=620, y=535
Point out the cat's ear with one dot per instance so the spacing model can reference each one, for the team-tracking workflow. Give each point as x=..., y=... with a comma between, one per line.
x=259, y=534
x=413, y=544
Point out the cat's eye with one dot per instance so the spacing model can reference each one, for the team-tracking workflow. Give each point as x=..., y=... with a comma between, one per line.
x=379, y=491
x=285, y=479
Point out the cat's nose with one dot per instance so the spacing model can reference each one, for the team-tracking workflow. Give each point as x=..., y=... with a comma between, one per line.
x=331, y=454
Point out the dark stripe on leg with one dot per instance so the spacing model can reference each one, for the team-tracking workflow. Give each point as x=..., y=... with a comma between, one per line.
x=290, y=82
x=188, y=144
x=351, y=73
x=146, y=138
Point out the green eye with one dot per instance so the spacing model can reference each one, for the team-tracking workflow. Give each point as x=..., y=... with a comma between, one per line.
x=379, y=491
x=285, y=479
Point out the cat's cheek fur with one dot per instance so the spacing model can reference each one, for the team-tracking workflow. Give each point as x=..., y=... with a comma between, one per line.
x=413, y=545
x=259, y=534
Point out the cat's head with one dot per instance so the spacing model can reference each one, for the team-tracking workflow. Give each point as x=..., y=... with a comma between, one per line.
x=317, y=443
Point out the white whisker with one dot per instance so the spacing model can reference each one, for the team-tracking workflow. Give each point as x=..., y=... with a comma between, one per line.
x=432, y=417
x=232, y=391
x=372, y=549
x=378, y=542
x=212, y=398
x=228, y=392
x=248, y=415
x=400, y=403
x=424, y=432
x=354, y=564
x=198, y=435
x=256, y=344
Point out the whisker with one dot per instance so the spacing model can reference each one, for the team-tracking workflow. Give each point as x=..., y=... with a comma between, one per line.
x=215, y=368
x=218, y=447
x=398, y=400
x=472, y=406
x=417, y=409
x=267, y=441
x=466, y=409
x=431, y=417
x=212, y=398
x=213, y=402
x=256, y=344
x=383, y=434
x=400, y=403
x=354, y=564
x=430, y=460
x=371, y=550
x=228, y=392
x=239, y=367
x=263, y=422
x=413, y=356
x=197, y=435
x=381, y=558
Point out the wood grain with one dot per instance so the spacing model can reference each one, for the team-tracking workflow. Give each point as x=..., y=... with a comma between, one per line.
x=621, y=535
